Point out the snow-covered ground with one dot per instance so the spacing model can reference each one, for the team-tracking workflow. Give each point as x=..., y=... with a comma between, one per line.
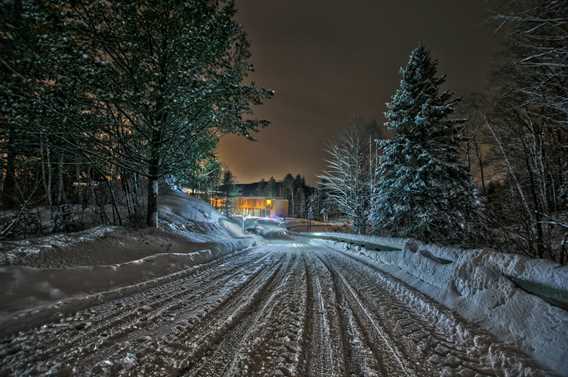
x=24, y=252
x=198, y=221
x=285, y=308
x=518, y=299
x=45, y=270
x=304, y=225
x=193, y=300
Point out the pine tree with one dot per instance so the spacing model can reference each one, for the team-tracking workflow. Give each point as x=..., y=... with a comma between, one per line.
x=422, y=187
x=271, y=189
x=261, y=187
x=299, y=195
x=228, y=188
x=288, y=192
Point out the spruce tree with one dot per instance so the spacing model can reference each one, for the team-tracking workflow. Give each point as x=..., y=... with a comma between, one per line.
x=271, y=188
x=422, y=189
x=228, y=188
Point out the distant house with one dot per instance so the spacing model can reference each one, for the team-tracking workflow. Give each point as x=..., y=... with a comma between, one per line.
x=258, y=206
x=264, y=199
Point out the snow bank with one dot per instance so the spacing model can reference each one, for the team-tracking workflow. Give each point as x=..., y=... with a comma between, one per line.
x=379, y=242
x=191, y=220
x=516, y=298
x=27, y=286
x=199, y=221
x=16, y=251
x=178, y=207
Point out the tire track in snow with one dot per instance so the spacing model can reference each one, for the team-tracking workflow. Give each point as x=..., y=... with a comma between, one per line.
x=119, y=312
x=283, y=309
x=430, y=337
x=239, y=309
x=183, y=351
x=159, y=322
x=324, y=357
x=222, y=357
x=391, y=362
x=274, y=343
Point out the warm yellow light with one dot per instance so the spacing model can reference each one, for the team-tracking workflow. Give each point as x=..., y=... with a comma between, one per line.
x=268, y=202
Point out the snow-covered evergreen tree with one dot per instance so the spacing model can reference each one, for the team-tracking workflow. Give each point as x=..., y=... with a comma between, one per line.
x=422, y=187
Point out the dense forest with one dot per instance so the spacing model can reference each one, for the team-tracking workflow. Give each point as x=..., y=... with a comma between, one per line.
x=102, y=100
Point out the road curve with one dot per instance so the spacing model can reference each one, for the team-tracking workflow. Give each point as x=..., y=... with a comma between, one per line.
x=286, y=308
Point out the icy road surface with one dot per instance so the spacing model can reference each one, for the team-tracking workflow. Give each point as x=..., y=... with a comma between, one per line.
x=287, y=308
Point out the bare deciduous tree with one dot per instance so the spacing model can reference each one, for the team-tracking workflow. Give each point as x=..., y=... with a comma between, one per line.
x=347, y=178
x=537, y=34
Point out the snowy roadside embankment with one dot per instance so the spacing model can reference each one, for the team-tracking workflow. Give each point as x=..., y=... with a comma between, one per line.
x=379, y=242
x=518, y=299
x=63, y=267
x=26, y=287
x=20, y=252
x=199, y=222
x=186, y=225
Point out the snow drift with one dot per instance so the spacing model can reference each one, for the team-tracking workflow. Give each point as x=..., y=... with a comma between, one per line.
x=198, y=221
x=44, y=270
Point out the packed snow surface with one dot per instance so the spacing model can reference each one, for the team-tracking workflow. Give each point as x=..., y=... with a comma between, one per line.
x=193, y=301
x=518, y=299
x=285, y=308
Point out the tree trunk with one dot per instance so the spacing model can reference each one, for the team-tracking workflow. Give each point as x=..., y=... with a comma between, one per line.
x=115, y=209
x=537, y=207
x=153, y=177
x=479, y=154
x=9, y=193
x=482, y=175
x=60, y=181
x=152, y=219
x=44, y=167
x=48, y=168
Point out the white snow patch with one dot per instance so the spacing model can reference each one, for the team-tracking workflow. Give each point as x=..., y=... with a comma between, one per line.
x=199, y=222
x=24, y=248
x=478, y=285
x=390, y=242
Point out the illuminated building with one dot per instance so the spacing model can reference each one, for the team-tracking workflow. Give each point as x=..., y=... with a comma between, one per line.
x=253, y=206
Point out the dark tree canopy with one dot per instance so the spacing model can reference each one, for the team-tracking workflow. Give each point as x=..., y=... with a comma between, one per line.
x=148, y=86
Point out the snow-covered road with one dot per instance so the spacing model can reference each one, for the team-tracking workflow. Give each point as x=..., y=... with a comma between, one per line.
x=287, y=308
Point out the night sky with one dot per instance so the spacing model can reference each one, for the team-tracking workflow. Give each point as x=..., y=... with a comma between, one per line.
x=330, y=61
